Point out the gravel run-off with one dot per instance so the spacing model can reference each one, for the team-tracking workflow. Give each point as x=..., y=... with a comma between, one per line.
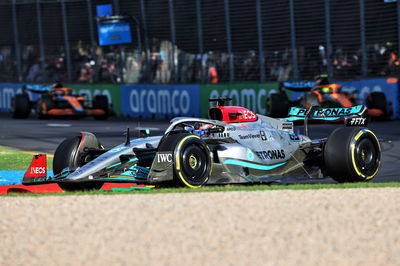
x=280, y=227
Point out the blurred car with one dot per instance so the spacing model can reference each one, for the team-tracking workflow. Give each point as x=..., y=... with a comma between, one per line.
x=56, y=101
x=324, y=94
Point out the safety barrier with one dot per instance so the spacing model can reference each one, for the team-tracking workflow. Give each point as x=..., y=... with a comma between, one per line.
x=168, y=101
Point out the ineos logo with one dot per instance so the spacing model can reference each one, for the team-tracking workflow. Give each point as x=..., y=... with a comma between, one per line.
x=38, y=170
x=164, y=158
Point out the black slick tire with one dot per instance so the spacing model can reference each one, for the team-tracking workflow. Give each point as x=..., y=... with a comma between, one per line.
x=44, y=102
x=66, y=155
x=20, y=106
x=277, y=105
x=377, y=100
x=352, y=154
x=192, y=161
x=101, y=102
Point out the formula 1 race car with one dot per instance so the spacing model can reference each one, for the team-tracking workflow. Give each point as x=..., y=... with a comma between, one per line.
x=56, y=101
x=233, y=146
x=324, y=94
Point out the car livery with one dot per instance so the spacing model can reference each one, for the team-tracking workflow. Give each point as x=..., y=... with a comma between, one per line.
x=233, y=146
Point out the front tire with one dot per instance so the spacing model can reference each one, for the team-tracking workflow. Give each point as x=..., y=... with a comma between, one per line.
x=67, y=155
x=192, y=161
x=352, y=155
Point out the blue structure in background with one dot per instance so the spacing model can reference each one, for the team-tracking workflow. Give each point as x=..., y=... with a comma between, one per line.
x=112, y=32
x=104, y=10
x=160, y=101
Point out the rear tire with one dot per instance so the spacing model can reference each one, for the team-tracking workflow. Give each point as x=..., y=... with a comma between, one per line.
x=44, y=103
x=352, y=154
x=377, y=100
x=192, y=161
x=20, y=106
x=277, y=105
x=101, y=102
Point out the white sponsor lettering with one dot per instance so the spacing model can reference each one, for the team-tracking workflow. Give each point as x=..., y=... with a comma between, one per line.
x=163, y=158
x=38, y=170
x=6, y=96
x=160, y=101
x=357, y=121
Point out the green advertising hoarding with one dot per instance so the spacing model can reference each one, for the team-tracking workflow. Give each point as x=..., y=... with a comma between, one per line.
x=111, y=90
x=249, y=95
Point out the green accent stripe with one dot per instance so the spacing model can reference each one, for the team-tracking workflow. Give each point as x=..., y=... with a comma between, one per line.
x=123, y=178
x=131, y=160
x=253, y=165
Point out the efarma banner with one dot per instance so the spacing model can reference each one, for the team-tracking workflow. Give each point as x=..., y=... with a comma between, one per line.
x=160, y=101
x=250, y=95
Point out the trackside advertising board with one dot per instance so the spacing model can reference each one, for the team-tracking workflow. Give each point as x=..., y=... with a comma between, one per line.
x=7, y=91
x=160, y=101
x=110, y=90
x=249, y=95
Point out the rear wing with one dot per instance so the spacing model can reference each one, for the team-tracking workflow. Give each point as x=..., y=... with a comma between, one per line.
x=353, y=116
x=302, y=86
x=37, y=88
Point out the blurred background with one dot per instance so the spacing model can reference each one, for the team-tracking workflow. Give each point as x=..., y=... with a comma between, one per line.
x=200, y=41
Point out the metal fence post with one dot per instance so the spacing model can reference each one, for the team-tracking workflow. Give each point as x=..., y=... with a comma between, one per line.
x=261, y=57
x=66, y=41
x=229, y=42
x=93, y=43
x=146, y=73
x=328, y=38
x=41, y=41
x=200, y=40
x=116, y=7
x=398, y=28
x=293, y=41
x=173, y=38
x=364, y=61
x=16, y=41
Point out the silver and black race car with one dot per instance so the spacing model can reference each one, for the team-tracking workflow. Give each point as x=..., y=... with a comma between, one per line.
x=234, y=145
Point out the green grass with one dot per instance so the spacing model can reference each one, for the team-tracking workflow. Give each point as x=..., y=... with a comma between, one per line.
x=213, y=188
x=18, y=160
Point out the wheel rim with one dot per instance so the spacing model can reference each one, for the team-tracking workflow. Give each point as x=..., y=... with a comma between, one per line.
x=194, y=164
x=366, y=156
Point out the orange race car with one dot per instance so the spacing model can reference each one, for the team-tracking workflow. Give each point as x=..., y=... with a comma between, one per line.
x=324, y=94
x=57, y=101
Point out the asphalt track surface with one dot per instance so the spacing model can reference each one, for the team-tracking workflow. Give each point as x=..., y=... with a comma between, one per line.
x=45, y=135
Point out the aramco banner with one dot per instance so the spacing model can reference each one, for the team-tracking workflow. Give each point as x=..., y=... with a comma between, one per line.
x=160, y=101
x=249, y=95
